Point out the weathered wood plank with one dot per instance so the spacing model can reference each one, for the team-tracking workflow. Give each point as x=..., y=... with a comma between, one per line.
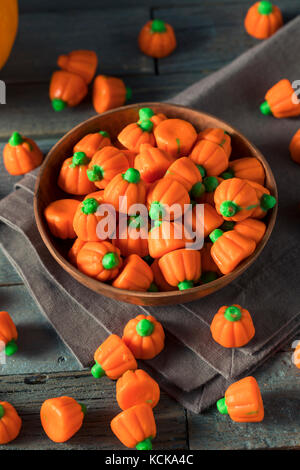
x=279, y=381
x=40, y=348
x=210, y=36
x=27, y=393
x=42, y=37
x=28, y=108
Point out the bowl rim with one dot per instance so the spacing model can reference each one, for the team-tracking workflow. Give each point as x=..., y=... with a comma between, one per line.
x=111, y=291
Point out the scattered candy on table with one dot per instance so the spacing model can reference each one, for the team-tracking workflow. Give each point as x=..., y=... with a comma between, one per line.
x=157, y=39
x=136, y=387
x=232, y=326
x=10, y=423
x=281, y=101
x=61, y=418
x=66, y=89
x=83, y=63
x=243, y=401
x=21, y=155
x=295, y=147
x=263, y=20
x=109, y=93
x=8, y=334
x=144, y=336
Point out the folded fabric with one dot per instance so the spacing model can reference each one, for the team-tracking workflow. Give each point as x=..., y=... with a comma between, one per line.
x=192, y=368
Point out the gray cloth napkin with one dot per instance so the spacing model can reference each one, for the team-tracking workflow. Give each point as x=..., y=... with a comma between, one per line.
x=192, y=368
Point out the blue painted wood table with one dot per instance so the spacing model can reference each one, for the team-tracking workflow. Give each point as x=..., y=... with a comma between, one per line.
x=210, y=34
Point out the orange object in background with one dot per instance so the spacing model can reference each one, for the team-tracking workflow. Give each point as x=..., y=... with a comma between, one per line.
x=61, y=418
x=181, y=268
x=243, y=401
x=83, y=63
x=9, y=19
x=100, y=260
x=10, y=423
x=91, y=143
x=66, y=89
x=135, y=427
x=144, y=336
x=73, y=178
x=136, y=387
x=281, y=101
x=113, y=358
x=21, y=155
x=295, y=147
x=8, y=333
x=263, y=20
x=232, y=327
x=136, y=275
x=109, y=93
x=157, y=39
x=59, y=216
x=296, y=356
x=175, y=136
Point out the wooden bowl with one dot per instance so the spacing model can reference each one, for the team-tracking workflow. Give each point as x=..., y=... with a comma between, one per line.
x=46, y=191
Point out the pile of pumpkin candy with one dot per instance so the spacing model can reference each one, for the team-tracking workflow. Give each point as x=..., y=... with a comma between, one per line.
x=137, y=393
x=159, y=162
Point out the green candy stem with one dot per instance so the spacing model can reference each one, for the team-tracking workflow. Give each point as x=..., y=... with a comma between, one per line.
x=146, y=125
x=153, y=287
x=2, y=411
x=267, y=202
x=11, y=348
x=144, y=445
x=185, y=285
x=217, y=233
x=158, y=26
x=110, y=261
x=145, y=113
x=89, y=206
x=208, y=276
x=104, y=134
x=198, y=190
x=227, y=175
x=222, y=407
x=265, y=108
x=144, y=327
x=58, y=105
x=136, y=221
x=202, y=170
x=265, y=8
x=128, y=94
x=16, y=139
x=229, y=208
x=211, y=183
x=95, y=173
x=97, y=371
x=79, y=158
x=83, y=408
x=132, y=175
x=156, y=211
x=233, y=313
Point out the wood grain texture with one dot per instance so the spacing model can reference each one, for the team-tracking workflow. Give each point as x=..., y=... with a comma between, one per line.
x=279, y=381
x=27, y=394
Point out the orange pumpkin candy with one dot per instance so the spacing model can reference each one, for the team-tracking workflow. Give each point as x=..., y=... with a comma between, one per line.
x=82, y=62
x=296, y=356
x=218, y=136
x=109, y=93
x=263, y=20
x=281, y=101
x=243, y=401
x=135, y=427
x=10, y=423
x=73, y=177
x=159, y=279
x=74, y=250
x=86, y=219
x=133, y=239
x=105, y=165
x=66, y=89
x=165, y=237
x=136, y=387
x=61, y=418
x=21, y=155
x=246, y=168
x=181, y=268
x=127, y=186
x=144, y=336
x=232, y=327
x=229, y=249
x=235, y=199
x=100, y=260
x=152, y=163
x=59, y=216
x=251, y=228
x=112, y=359
x=175, y=137
x=135, y=276
x=295, y=147
x=91, y=143
x=211, y=156
x=266, y=201
x=135, y=134
x=166, y=193
x=204, y=222
x=157, y=39
x=8, y=334
x=187, y=173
